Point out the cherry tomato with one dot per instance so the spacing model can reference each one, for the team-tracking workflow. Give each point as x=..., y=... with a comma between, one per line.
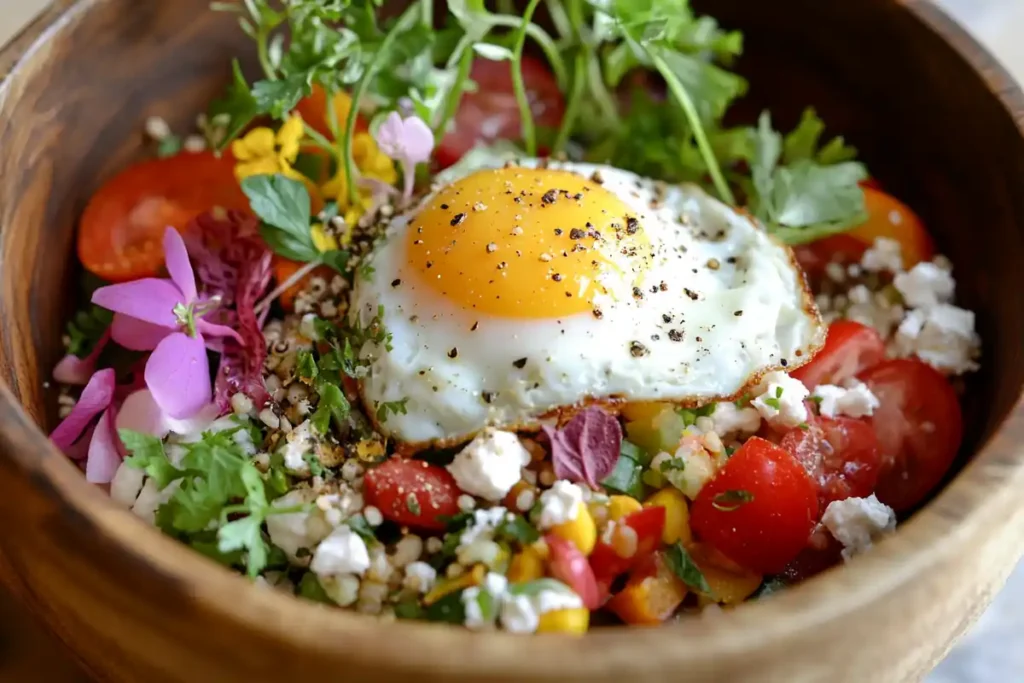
x=759, y=510
x=841, y=455
x=119, y=237
x=815, y=256
x=648, y=524
x=570, y=566
x=412, y=492
x=491, y=113
x=850, y=348
x=652, y=594
x=823, y=551
x=919, y=427
x=889, y=217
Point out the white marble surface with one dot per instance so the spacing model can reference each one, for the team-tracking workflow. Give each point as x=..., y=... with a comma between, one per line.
x=993, y=652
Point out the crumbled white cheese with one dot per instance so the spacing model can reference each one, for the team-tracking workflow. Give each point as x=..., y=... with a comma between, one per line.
x=298, y=444
x=559, y=504
x=297, y=530
x=521, y=613
x=420, y=577
x=883, y=255
x=874, y=310
x=926, y=284
x=942, y=336
x=483, y=525
x=729, y=420
x=342, y=552
x=853, y=399
x=481, y=612
x=856, y=522
x=342, y=590
x=782, y=400
x=489, y=466
x=688, y=469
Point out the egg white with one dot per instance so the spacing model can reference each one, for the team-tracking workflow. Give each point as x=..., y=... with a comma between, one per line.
x=459, y=371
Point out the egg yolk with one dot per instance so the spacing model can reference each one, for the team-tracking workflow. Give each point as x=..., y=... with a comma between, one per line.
x=527, y=243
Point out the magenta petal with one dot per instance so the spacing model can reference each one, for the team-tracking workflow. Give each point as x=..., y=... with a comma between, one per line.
x=140, y=413
x=95, y=398
x=178, y=374
x=74, y=370
x=135, y=334
x=214, y=330
x=150, y=299
x=178, y=265
x=104, y=457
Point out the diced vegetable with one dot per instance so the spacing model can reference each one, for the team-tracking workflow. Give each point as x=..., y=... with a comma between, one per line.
x=652, y=594
x=677, y=515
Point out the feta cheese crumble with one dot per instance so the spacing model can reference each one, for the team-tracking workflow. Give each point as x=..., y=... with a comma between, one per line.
x=343, y=552
x=729, y=420
x=854, y=399
x=782, y=400
x=926, y=284
x=688, y=469
x=857, y=522
x=521, y=613
x=883, y=255
x=559, y=504
x=420, y=577
x=942, y=336
x=296, y=531
x=489, y=466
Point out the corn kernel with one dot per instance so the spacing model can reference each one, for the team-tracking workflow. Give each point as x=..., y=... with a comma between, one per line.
x=677, y=514
x=575, y=621
x=624, y=541
x=620, y=506
x=527, y=565
x=581, y=531
x=448, y=586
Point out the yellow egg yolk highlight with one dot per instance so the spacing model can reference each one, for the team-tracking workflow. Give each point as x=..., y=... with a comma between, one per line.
x=526, y=243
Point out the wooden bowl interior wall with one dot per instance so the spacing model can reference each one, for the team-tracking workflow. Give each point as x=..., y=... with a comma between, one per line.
x=135, y=606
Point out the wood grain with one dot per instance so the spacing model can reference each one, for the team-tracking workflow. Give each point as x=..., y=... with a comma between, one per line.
x=934, y=116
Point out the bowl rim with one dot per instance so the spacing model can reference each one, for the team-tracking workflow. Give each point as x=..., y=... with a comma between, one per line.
x=930, y=537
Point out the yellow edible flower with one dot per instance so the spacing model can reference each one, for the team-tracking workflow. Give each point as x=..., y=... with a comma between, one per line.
x=371, y=163
x=262, y=152
x=321, y=240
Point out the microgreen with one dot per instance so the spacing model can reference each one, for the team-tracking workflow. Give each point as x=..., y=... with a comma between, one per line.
x=86, y=328
x=386, y=408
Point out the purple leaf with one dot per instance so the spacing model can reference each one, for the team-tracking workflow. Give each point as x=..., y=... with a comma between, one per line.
x=178, y=375
x=178, y=266
x=95, y=398
x=104, y=456
x=135, y=334
x=140, y=413
x=150, y=299
x=587, y=448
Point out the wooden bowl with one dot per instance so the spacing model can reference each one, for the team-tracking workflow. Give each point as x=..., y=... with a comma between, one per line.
x=935, y=118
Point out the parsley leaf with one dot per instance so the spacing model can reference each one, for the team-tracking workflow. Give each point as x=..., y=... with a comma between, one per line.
x=333, y=404
x=683, y=566
x=283, y=206
x=86, y=328
x=386, y=408
x=279, y=97
x=147, y=454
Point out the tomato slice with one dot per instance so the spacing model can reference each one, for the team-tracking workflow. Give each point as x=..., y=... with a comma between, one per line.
x=850, y=348
x=841, y=455
x=759, y=509
x=889, y=217
x=815, y=256
x=412, y=492
x=569, y=565
x=491, y=113
x=119, y=237
x=919, y=427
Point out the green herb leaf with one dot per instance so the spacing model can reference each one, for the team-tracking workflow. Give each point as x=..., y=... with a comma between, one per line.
x=279, y=97
x=626, y=478
x=236, y=109
x=310, y=588
x=147, y=454
x=517, y=530
x=683, y=566
x=245, y=534
x=391, y=408
x=333, y=404
x=733, y=499
x=359, y=525
x=410, y=609
x=305, y=365
x=448, y=609
x=168, y=147
x=283, y=205
x=86, y=328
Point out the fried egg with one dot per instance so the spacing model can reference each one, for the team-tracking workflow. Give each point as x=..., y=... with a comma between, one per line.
x=513, y=294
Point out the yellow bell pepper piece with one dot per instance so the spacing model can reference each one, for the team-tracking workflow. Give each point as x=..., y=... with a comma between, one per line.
x=575, y=621
x=677, y=514
x=620, y=506
x=729, y=583
x=642, y=411
x=582, y=531
x=474, y=577
x=651, y=596
x=527, y=565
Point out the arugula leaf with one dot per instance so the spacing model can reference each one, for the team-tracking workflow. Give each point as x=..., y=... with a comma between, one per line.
x=283, y=206
x=86, y=328
x=147, y=454
x=683, y=566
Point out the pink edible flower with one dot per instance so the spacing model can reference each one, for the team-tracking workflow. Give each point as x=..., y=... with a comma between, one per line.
x=103, y=455
x=77, y=371
x=166, y=316
x=587, y=448
x=408, y=141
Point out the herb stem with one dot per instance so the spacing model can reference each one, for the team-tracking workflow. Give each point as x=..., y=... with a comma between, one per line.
x=609, y=111
x=319, y=140
x=560, y=19
x=427, y=13
x=283, y=287
x=572, y=108
x=454, y=96
x=525, y=112
x=539, y=36
x=684, y=99
x=264, y=54
x=407, y=17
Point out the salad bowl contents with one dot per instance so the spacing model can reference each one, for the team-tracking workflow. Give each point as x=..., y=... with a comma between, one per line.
x=521, y=326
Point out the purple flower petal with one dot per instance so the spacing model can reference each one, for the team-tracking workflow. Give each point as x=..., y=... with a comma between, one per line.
x=389, y=135
x=419, y=140
x=178, y=265
x=135, y=334
x=104, y=456
x=178, y=374
x=95, y=398
x=150, y=299
x=140, y=413
x=213, y=330
x=76, y=371
x=587, y=448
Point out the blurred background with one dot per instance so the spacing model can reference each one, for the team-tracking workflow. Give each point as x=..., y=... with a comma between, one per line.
x=993, y=652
